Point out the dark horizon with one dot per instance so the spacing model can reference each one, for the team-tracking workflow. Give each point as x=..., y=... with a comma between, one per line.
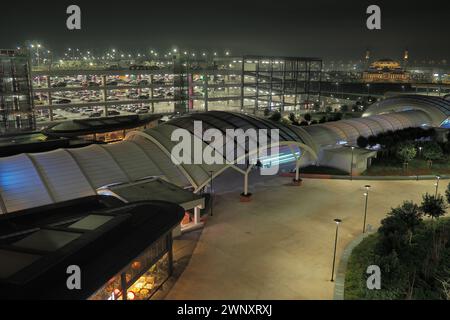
x=323, y=28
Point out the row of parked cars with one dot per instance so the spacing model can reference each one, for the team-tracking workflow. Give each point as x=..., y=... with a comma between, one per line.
x=94, y=81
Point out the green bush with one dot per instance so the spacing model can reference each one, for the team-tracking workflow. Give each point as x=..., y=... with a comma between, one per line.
x=406, y=152
x=412, y=267
x=432, y=151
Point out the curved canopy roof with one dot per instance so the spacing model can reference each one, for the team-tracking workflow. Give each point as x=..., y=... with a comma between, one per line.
x=348, y=131
x=31, y=180
x=436, y=108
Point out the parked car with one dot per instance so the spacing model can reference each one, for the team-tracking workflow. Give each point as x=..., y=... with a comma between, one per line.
x=95, y=114
x=113, y=113
x=59, y=84
x=62, y=101
x=141, y=111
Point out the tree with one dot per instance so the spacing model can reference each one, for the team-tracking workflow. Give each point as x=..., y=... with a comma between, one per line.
x=362, y=142
x=293, y=119
x=447, y=193
x=406, y=152
x=433, y=206
x=307, y=117
x=344, y=108
x=276, y=116
x=399, y=225
x=323, y=119
x=304, y=123
x=373, y=140
x=432, y=151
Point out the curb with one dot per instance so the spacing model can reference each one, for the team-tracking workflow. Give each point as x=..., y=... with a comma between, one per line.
x=341, y=177
x=339, y=283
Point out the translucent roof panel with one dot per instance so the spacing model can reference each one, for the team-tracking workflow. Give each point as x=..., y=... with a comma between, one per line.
x=62, y=176
x=132, y=160
x=21, y=187
x=98, y=165
x=161, y=160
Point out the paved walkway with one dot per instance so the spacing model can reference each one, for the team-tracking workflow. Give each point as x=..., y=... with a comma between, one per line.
x=280, y=245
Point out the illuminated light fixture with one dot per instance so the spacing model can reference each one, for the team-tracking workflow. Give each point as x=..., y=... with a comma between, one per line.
x=131, y=295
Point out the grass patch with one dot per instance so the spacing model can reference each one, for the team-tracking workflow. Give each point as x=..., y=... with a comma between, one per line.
x=322, y=170
x=393, y=167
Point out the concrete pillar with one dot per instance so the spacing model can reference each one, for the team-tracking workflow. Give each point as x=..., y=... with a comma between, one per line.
x=49, y=98
x=242, y=83
x=152, y=93
x=246, y=196
x=104, y=94
x=197, y=215
x=246, y=183
x=206, y=91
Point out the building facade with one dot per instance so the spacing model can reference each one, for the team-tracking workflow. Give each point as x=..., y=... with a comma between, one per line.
x=386, y=70
x=16, y=98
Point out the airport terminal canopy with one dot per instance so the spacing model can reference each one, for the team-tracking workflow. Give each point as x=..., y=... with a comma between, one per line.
x=199, y=175
x=437, y=108
x=37, y=179
x=346, y=132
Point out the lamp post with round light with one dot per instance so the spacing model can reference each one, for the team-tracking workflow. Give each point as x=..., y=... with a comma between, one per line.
x=212, y=198
x=337, y=221
x=437, y=185
x=366, y=195
x=351, y=164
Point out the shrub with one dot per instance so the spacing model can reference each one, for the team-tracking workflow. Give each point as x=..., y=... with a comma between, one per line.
x=307, y=117
x=406, y=152
x=447, y=193
x=276, y=116
x=432, y=151
x=433, y=206
x=362, y=142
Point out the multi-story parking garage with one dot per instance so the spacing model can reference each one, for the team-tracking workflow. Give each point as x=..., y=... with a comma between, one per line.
x=248, y=83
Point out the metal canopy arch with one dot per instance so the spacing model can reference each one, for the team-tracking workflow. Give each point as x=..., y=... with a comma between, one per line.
x=198, y=186
x=164, y=150
x=300, y=145
x=436, y=108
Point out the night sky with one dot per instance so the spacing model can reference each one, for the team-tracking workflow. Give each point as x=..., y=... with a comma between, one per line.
x=320, y=28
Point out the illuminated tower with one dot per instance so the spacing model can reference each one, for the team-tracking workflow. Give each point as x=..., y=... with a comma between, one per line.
x=405, y=59
x=367, y=59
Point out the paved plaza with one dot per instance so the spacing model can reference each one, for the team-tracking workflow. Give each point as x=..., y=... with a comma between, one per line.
x=280, y=245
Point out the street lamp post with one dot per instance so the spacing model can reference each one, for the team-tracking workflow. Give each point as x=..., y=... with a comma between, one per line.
x=212, y=192
x=337, y=221
x=366, y=194
x=351, y=165
x=437, y=185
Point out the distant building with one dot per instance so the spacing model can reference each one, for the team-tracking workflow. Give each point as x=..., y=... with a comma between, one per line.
x=16, y=99
x=386, y=70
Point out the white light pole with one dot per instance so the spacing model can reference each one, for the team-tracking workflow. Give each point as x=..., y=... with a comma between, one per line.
x=437, y=186
x=351, y=164
x=366, y=194
x=337, y=221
